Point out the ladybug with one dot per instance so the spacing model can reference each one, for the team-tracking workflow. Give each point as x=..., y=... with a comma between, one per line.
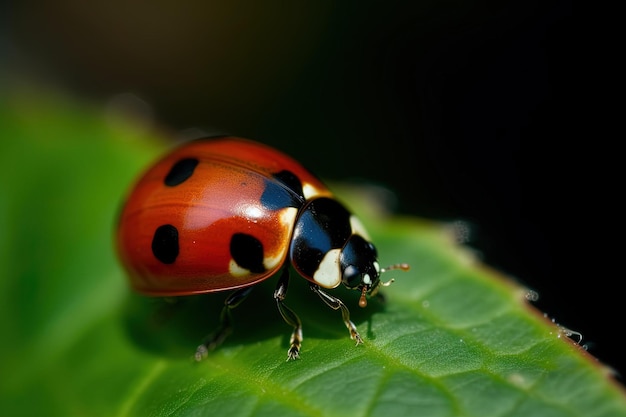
x=226, y=213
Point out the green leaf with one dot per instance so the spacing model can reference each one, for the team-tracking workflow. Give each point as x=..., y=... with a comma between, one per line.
x=454, y=338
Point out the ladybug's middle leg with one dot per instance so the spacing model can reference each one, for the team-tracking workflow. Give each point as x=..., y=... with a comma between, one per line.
x=289, y=316
x=226, y=323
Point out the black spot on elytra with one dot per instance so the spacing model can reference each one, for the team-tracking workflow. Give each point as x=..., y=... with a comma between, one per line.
x=165, y=244
x=247, y=252
x=291, y=181
x=180, y=172
x=284, y=190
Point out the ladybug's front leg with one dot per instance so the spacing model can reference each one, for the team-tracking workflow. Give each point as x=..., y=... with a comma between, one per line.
x=336, y=304
x=226, y=323
x=289, y=316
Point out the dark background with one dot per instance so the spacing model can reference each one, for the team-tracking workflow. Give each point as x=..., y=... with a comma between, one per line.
x=463, y=109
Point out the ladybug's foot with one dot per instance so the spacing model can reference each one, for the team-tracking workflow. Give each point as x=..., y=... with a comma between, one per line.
x=213, y=342
x=293, y=353
x=201, y=353
x=296, y=341
x=354, y=334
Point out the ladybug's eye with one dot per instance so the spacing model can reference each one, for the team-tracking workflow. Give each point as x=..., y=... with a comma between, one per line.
x=351, y=277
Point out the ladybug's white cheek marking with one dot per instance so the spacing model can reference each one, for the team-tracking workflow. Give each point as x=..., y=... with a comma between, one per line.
x=358, y=228
x=328, y=273
x=367, y=280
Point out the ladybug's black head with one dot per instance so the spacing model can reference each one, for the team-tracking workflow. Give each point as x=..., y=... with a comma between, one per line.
x=360, y=268
x=359, y=264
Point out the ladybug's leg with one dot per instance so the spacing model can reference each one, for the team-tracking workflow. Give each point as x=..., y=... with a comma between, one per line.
x=226, y=323
x=336, y=304
x=289, y=316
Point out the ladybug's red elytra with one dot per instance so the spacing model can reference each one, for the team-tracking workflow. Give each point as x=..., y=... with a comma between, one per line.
x=225, y=213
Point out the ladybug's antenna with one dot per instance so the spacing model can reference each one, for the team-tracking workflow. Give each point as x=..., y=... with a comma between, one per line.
x=403, y=267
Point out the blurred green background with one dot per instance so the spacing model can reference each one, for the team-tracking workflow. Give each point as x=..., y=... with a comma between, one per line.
x=452, y=105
